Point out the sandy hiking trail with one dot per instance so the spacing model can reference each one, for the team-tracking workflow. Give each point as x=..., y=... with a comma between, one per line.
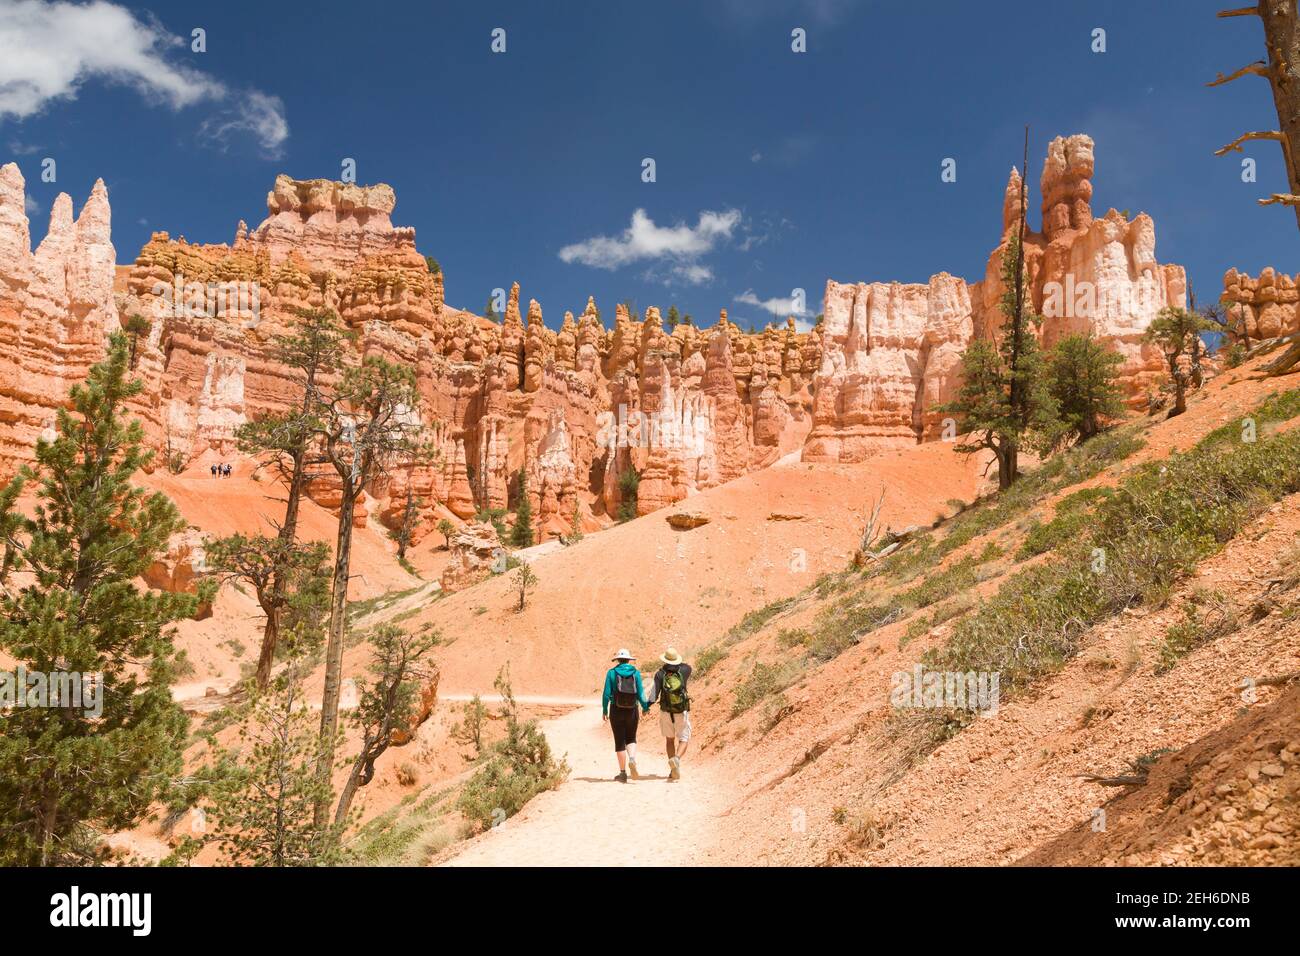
x=592, y=820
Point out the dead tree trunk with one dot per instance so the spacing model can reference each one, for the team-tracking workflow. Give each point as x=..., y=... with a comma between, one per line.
x=1282, y=70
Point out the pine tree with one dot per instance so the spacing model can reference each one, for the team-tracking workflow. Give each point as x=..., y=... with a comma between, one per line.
x=521, y=535
x=387, y=705
x=410, y=511
x=1083, y=376
x=629, y=484
x=136, y=326
x=575, y=526
x=364, y=427
x=78, y=611
x=446, y=529
x=525, y=580
x=281, y=573
x=1005, y=402
x=1178, y=333
x=263, y=802
x=314, y=350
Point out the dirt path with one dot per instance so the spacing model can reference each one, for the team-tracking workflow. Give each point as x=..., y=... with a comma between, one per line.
x=592, y=820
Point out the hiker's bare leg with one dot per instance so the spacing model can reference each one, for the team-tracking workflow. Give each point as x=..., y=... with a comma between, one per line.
x=622, y=761
x=681, y=747
x=670, y=743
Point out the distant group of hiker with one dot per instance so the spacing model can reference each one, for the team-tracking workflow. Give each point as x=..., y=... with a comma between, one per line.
x=624, y=701
x=221, y=471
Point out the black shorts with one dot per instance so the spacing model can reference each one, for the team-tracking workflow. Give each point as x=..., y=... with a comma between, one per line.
x=623, y=721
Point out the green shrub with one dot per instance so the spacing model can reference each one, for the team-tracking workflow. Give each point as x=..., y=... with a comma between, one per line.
x=954, y=607
x=1048, y=537
x=517, y=767
x=916, y=627
x=957, y=577
x=1148, y=535
x=842, y=625
x=753, y=621
x=1278, y=407
x=1205, y=617
x=789, y=637
x=494, y=517
x=708, y=658
x=1082, y=499
x=764, y=681
x=629, y=484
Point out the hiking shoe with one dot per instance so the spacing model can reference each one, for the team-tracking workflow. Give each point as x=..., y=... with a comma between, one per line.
x=675, y=768
x=622, y=777
x=631, y=768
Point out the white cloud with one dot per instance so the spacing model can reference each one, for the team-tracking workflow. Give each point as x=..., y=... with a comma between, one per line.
x=788, y=150
x=777, y=306
x=693, y=274
x=644, y=240
x=48, y=51
x=257, y=114
x=31, y=206
x=682, y=273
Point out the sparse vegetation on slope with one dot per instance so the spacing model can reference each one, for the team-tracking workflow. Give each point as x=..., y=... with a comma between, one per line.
x=1147, y=536
x=516, y=768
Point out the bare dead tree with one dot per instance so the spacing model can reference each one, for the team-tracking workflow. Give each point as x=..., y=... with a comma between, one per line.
x=870, y=533
x=1281, y=22
x=1282, y=70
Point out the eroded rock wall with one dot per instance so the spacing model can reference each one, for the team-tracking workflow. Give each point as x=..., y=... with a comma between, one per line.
x=1260, y=308
x=891, y=352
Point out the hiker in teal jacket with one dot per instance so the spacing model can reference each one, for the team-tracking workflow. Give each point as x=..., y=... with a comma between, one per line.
x=623, y=690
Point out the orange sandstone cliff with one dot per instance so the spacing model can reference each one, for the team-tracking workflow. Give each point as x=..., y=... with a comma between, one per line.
x=569, y=410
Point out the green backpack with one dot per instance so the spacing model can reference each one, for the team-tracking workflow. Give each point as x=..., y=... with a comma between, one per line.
x=673, y=700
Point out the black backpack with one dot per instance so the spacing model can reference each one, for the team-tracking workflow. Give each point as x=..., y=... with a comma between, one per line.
x=625, y=695
x=673, y=699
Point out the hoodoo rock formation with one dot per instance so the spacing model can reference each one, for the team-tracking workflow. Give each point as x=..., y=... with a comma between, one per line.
x=891, y=351
x=569, y=411
x=1263, y=308
x=575, y=417
x=56, y=310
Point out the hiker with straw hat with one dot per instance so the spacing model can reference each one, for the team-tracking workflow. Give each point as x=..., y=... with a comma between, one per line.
x=674, y=708
x=624, y=691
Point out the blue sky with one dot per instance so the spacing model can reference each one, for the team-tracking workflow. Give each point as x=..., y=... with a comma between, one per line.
x=781, y=169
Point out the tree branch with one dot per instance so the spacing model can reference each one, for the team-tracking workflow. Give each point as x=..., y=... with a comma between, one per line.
x=1286, y=199
x=1258, y=68
x=1235, y=145
x=1239, y=12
